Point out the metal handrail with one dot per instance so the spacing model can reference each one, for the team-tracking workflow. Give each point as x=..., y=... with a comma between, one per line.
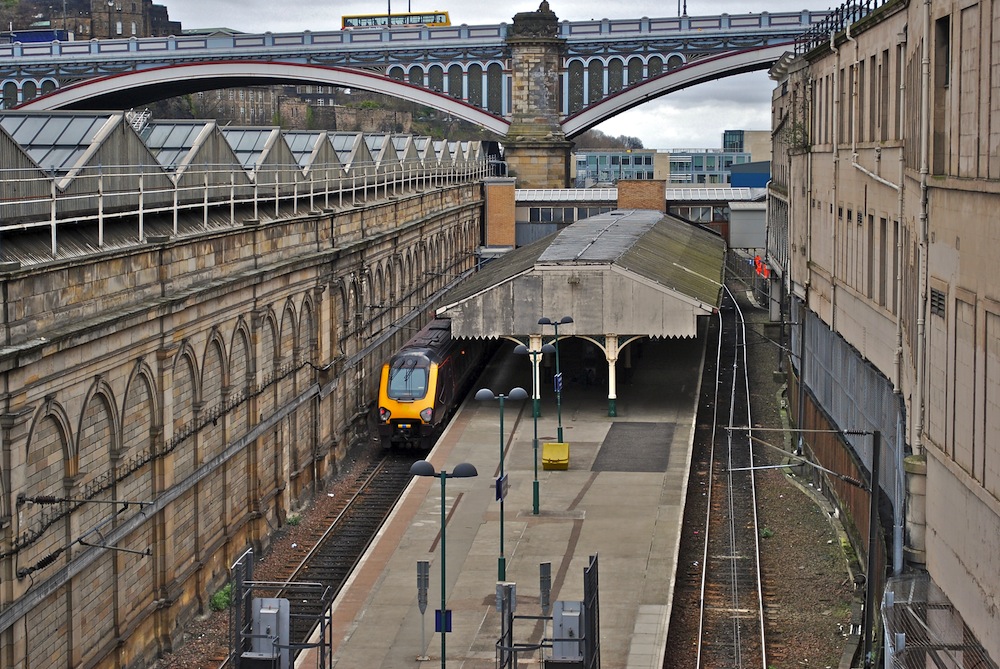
x=139, y=192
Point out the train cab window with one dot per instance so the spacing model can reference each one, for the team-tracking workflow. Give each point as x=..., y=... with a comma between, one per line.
x=407, y=383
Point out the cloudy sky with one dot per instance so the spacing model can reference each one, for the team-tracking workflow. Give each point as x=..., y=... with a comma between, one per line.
x=693, y=118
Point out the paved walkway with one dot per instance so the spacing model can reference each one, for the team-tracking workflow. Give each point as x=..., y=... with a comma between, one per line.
x=621, y=499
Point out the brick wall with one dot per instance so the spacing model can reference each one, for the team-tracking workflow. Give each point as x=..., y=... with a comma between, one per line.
x=642, y=194
x=499, y=220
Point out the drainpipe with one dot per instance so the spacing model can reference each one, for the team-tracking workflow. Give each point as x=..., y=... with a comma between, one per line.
x=925, y=77
x=899, y=536
x=898, y=362
x=805, y=288
x=854, y=96
x=833, y=192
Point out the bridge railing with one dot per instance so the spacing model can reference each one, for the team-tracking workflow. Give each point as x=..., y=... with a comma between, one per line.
x=308, y=41
x=836, y=22
x=198, y=198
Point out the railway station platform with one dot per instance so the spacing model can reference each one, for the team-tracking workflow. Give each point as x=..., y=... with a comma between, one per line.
x=621, y=498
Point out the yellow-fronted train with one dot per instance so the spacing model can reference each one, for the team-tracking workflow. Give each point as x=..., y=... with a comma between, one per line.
x=424, y=382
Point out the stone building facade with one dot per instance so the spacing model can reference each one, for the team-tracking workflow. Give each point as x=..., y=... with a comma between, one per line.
x=170, y=403
x=886, y=182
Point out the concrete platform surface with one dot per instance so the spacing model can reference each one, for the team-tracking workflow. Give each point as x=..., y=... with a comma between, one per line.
x=621, y=499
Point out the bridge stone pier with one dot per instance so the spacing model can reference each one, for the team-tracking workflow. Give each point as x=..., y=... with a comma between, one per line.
x=536, y=147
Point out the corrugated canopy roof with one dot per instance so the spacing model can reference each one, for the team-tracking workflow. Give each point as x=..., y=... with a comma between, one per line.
x=629, y=271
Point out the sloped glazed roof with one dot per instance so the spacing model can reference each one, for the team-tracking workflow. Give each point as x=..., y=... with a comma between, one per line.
x=57, y=142
x=170, y=141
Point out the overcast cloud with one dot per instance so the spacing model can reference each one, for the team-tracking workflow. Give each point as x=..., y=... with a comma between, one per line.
x=692, y=118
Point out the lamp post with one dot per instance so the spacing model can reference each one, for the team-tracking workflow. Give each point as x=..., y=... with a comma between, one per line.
x=558, y=377
x=517, y=393
x=521, y=349
x=461, y=470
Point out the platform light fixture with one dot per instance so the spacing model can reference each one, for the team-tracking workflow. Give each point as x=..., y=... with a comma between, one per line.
x=461, y=470
x=484, y=394
x=557, y=380
x=521, y=349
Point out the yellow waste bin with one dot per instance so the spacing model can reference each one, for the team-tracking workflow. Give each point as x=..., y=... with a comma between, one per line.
x=555, y=455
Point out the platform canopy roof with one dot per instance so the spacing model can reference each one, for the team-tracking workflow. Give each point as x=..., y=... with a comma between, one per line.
x=627, y=272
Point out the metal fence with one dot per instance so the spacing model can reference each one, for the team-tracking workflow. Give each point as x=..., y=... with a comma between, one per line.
x=859, y=400
x=99, y=195
x=836, y=21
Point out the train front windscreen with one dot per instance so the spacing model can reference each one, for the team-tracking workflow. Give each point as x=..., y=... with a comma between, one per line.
x=408, y=381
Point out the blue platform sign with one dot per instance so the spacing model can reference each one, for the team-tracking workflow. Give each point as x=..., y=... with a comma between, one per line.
x=503, y=485
x=437, y=620
x=557, y=382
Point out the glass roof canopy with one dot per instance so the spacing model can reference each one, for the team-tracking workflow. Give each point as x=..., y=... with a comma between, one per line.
x=56, y=142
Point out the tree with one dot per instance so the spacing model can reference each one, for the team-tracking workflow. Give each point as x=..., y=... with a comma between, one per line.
x=595, y=139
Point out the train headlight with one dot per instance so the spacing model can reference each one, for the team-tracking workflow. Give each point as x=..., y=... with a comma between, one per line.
x=384, y=414
x=427, y=414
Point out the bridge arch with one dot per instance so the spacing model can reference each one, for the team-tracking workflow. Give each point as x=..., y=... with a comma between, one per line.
x=136, y=88
x=691, y=74
x=594, y=89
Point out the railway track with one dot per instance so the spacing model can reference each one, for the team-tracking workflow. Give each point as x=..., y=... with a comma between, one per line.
x=731, y=617
x=350, y=530
x=335, y=544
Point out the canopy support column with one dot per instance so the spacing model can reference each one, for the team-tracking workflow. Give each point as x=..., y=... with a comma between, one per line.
x=611, y=351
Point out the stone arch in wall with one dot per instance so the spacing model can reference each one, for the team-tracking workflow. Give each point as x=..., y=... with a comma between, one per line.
x=344, y=303
x=395, y=281
x=186, y=393
x=406, y=294
x=286, y=343
x=214, y=380
x=140, y=416
x=91, y=590
x=49, y=464
x=241, y=382
x=96, y=442
x=211, y=489
x=303, y=441
x=285, y=462
x=356, y=300
x=269, y=464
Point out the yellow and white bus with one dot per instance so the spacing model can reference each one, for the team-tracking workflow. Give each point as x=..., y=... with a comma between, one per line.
x=360, y=21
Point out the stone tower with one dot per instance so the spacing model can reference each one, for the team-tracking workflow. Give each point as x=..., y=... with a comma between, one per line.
x=536, y=148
